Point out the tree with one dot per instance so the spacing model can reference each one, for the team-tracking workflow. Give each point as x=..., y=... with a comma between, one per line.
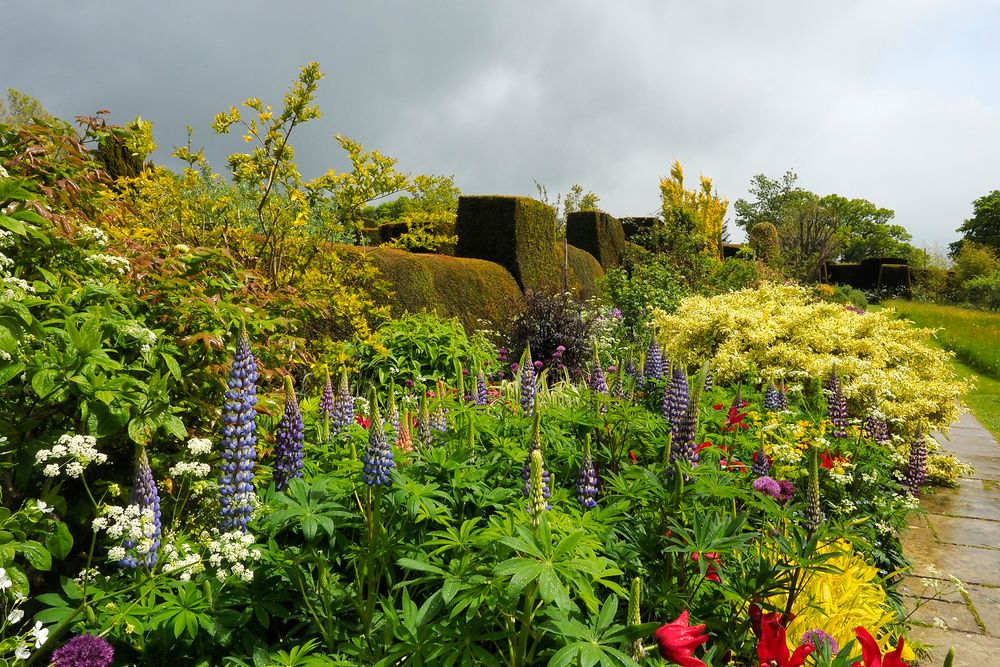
x=974, y=260
x=984, y=225
x=22, y=109
x=865, y=231
x=692, y=218
x=808, y=232
x=770, y=199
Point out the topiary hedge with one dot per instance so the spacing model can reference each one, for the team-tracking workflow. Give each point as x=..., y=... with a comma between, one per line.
x=763, y=238
x=469, y=289
x=516, y=232
x=585, y=272
x=599, y=234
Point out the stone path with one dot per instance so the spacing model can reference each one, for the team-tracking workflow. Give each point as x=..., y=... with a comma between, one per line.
x=959, y=536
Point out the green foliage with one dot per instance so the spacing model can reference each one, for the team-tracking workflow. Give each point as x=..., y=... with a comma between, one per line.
x=599, y=234
x=974, y=260
x=585, y=272
x=763, y=239
x=984, y=291
x=549, y=321
x=644, y=285
x=984, y=225
x=22, y=110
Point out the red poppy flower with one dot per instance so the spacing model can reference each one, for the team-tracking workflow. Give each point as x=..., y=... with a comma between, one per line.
x=677, y=641
x=364, y=422
x=713, y=559
x=871, y=654
x=772, y=647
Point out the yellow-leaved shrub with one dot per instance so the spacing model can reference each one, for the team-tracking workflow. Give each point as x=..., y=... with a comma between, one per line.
x=779, y=332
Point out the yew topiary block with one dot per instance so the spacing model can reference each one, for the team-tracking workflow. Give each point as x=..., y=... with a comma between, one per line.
x=599, y=234
x=516, y=232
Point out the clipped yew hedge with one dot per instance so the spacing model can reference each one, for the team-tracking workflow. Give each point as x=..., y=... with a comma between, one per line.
x=599, y=234
x=584, y=271
x=469, y=289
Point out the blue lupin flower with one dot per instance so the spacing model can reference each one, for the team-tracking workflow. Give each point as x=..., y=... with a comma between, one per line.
x=598, y=383
x=652, y=369
x=586, y=480
x=676, y=396
x=378, y=459
x=837, y=405
x=145, y=495
x=709, y=382
x=327, y=399
x=772, y=402
x=916, y=468
x=239, y=440
x=343, y=406
x=481, y=395
x=528, y=388
x=782, y=398
x=288, y=453
x=877, y=429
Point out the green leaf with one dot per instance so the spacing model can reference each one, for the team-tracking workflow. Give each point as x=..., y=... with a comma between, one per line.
x=37, y=555
x=141, y=430
x=59, y=542
x=44, y=382
x=420, y=566
x=15, y=226
x=9, y=372
x=172, y=365
x=175, y=426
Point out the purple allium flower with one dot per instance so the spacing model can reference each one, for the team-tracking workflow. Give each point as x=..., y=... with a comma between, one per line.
x=502, y=353
x=239, y=440
x=586, y=481
x=598, y=383
x=772, y=401
x=343, y=407
x=916, y=468
x=288, y=439
x=145, y=495
x=538, y=365
x=378, y=459
x=761, y=463
x=616, y=313
x=481, y=395
x=837, y=405
x=612, y=368
x=877, y=429
x=652, y=369
x=409, y=383
x=561, y=349
x=787, y=491
x=84, y=651
x=768, y=486
x=819, y=639
x=528, y=384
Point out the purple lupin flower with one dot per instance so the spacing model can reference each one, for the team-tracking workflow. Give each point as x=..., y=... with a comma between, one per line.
x=288, y=439
x=598, y=383
x=481, y=395
x=761, y=463
x=813, y=514
x=772, y=402
x=326, y=400
x=877, y=429
x=676, y=396
x=916, y=468
x=239, y=440
x=652, y=368
x=682, y=445
x=618, y=387
x=837, y=405
x=84, y=651
x=528, y=388
x=630, y=369
x=343, y=407
x=782, y=398
x=709, y=382
x=425, y=435
x=378, y=458
x=586, y=481
x=439, y=420
x=145, y=495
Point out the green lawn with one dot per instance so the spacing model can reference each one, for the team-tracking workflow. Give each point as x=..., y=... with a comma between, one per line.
x=974, y=337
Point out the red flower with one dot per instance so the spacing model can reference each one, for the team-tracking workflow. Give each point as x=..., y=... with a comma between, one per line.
x=364, y=422
x=735, y=419
x=872, y=654
x=677, y=640
x=713, y=559
x=828, y=461
x=704, y=445
x=732, y=464
x=718, y=406
x=772, y=648
x=632, y=457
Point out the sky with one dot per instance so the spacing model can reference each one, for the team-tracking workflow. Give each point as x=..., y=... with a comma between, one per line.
x=894, y=102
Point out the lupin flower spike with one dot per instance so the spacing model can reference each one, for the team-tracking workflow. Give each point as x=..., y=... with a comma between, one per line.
x=598, y=383
x=586, y=480
x=326, y=405
x=635, y=647
x=288, y=439
x=145, y=495
x=343, y=412
x=536, y=443
x=392, y=411
x=239, y=440
x=772, y=401
x=528, y=388
x=425, y=436
x=537, y=502
x=652, y=369
x=837, y=405
x=813, y=516
x=404, y=440
x=916, y=468
x=481, y=395
x=378, y=458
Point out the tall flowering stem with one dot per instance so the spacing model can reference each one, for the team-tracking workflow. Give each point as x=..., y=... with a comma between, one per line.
x=145, y=495
x=326, y=407
x=916, y=469
x=837, y=405
x=877, y=429
x=537, y=502
x=239, y=440
x=586, y=480
x=772, y=402
x=652, y=368
x=481, y=395
x=635, y=647
x=536, y=444
x=425, y=435
x=289, y=438
x=528, y=388
x=813, y=516
x=343, y=406
x=378, y=458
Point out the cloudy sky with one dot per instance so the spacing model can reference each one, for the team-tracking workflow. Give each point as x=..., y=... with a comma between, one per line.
x=896, y=102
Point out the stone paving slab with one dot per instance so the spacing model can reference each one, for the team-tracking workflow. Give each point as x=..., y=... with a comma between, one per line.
x=959, y=536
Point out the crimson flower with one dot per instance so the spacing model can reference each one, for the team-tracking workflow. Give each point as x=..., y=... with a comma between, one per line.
x=364, y=422
x=632, y=456
x=732, y=464
x=828, y=460
x=872, y=654
x=772, y=647
x=677, y=640
x=712, y=559
x=734, y=419
x=718, y=406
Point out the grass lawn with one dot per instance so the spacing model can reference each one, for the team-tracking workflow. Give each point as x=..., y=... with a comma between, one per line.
x=974, y=337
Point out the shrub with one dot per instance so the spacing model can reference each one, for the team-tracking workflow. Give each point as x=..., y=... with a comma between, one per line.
x=984, y=291
x=549, y=321
x=763, y=239
x=642, y=287
x=599, y=234
x=778, y=332
x=585, y=272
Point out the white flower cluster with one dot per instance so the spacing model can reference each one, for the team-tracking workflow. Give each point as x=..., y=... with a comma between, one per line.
x=114, y=263
x=232, y=553
x=184, y=560
x=191, y=468
x=199, y=446
x=14, y=288
x=140, y=333
x=98, y=235
x=6, y=238
x=72, y=454
x=37, y=634
x=130, y=523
